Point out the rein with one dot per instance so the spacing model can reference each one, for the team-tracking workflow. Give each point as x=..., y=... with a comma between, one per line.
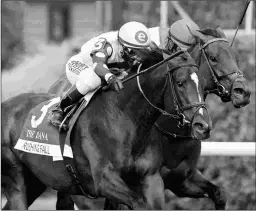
x=154, y=66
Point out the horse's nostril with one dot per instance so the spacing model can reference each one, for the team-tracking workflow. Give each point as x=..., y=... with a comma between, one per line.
x=199, y=125
x=239, y=91
x=201, y=130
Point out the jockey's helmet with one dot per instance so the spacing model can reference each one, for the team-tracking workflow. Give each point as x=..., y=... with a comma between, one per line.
x=133, y=37
x=179, y=33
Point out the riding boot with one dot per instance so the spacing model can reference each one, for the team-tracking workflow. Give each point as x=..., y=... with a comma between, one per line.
x=72, y=96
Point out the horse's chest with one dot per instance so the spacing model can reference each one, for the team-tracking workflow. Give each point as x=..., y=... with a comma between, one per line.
x=136, y=169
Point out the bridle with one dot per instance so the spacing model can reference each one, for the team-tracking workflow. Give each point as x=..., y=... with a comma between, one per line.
x=220, y=90
x=179, y=109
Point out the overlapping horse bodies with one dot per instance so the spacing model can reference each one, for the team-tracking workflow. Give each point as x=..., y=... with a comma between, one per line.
x=218, y=66
x=109, y=138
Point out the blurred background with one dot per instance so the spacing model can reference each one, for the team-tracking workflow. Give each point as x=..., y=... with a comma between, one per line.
x=39, y=36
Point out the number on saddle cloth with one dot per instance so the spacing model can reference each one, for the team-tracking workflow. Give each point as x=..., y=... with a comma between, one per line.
x=38, y=136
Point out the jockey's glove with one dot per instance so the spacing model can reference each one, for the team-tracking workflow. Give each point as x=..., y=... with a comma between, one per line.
x=114, y=83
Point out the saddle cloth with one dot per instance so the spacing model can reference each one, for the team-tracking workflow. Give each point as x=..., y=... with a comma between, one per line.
x=38, y=136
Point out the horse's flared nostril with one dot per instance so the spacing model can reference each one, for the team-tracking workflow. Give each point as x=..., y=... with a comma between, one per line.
x=201, y=130
x=239, y=92
x=240, y=97
x=199, y=125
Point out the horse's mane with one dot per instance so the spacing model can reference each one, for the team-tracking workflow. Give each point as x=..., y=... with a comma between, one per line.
x=210, y=32
x=206, y=31
x=154, y=53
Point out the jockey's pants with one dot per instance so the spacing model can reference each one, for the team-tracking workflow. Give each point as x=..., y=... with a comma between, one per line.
x=82, y=75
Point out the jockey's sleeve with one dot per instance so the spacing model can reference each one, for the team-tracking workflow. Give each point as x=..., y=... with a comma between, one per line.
x=101, y=52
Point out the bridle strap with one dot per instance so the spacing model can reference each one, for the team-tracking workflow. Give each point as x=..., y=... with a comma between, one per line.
x=213, y=40
x=154, y=66
x=169, y=133
x=211, y=70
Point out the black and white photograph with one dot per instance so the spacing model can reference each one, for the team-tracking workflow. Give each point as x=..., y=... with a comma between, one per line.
x=133, y=105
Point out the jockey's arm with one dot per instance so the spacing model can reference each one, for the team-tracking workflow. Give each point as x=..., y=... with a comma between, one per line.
x=100, y=55
x=100, y=67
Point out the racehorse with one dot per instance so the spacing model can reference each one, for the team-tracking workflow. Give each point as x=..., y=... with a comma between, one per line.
x=108, y=138
x=217, y=63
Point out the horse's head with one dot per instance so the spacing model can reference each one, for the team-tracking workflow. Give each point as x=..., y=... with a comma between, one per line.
x=182, y=94
x=217, y=63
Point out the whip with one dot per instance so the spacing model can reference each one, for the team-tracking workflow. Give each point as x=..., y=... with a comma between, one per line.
x=241, y=20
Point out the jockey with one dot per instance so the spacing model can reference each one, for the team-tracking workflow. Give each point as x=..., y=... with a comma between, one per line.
x=177, y=35
x=87, y=69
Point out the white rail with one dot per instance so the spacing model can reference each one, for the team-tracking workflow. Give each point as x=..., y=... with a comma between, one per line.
x=228, y=149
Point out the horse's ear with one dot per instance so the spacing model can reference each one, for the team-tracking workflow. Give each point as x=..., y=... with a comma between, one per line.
x=199, y=36
x=220, y=32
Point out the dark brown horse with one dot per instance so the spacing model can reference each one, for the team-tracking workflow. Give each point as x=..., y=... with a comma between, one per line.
x=217, y=63
x=109, y=138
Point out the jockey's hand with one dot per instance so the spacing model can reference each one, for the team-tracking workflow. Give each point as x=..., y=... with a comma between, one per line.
x=122, y=75
x=114, y=84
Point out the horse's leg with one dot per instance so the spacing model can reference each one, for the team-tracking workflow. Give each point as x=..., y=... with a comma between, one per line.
x=214, y=192
x=13, y=185
x=34, y=186
x=64, y=201
x=112, y=186
x=177, y=180
x=107, y=182
x=195, y=185
x=111, y=205
x=153, y=191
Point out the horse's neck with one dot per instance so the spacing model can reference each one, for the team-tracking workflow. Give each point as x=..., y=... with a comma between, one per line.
x=133, y=104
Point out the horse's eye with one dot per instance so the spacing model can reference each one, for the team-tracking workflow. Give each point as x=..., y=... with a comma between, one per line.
x=213, y=58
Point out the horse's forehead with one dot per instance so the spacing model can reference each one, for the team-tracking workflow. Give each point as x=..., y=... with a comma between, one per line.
x=222, y=49
x=185, y=72
x=194, y=77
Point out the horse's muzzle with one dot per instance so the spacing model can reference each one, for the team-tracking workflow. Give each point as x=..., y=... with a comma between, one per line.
x=201, y=127
x=240, y=93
